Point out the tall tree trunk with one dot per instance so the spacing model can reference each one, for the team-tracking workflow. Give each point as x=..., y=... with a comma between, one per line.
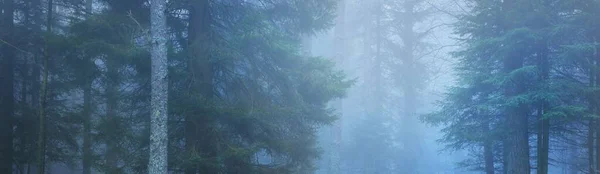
x=41, y=155
x=35, y=103
x=7, y=88
x=543, y=144
x=338, y=104
x=517, y=116
x=543, y=137
x=504, y=155
x=31, y=85
x=590, y=145
x=594, y=106
x=518, y=147
x=370, y=96
x=373, y=164
x=87, y=142
x=35, y=83
x=518, y=141
x=409, y=121
x=198, y=134
x=112, y=116
x=592, y=123
x=24, y=112
x=87, y=112
x=597, y=138
x=573, y=156
x=488, y=151
x=158, y=123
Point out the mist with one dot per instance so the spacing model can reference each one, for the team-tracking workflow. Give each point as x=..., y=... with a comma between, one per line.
x=299, y=86
x=379, y=130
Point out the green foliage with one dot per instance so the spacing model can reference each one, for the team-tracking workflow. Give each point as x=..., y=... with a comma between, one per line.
x=552, y=40
x=269, y=98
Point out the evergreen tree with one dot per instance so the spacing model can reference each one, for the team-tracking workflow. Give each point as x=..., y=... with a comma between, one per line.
x=242, y=96
x=7, y=101
x=158, y=122
x=520, y=76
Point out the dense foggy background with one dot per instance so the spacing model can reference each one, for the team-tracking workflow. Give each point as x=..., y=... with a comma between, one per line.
x=379, y=139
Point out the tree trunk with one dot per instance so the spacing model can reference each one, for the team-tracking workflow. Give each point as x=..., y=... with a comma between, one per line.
x=518, y=139
x=488, y=151
x=543, y=151
x=41, y=155
x=409, y=121
x=373, y=163
x=516, y=117
x=573, y=156
x=504, y=155
x=201, y=77
x=543, y=137
x=592, y=127
x=112, y=117
x=158, y=123
x=87, y=112
x=26, y=104
x=590, y=145
x=7, y=89
x=338, y=104
x=35, y=83
x=87, y=142
x=24, y=112
x=594, y=106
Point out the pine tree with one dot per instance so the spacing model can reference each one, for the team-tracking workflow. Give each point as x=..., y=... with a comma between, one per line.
x=517, y=77
x=41, y=148
x=84, y=81
x=158, y=122
x=7, y=101
x=87, y=84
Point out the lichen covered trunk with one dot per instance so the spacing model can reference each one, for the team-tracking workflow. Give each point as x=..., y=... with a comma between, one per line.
x=159, y=95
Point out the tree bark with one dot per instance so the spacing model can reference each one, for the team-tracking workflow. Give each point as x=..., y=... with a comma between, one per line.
x=158, y=122
x=596, y=102
x=87, y=142
x=592, y=127
x=543, y=137
x=590, y=145
x=504, y=155
x=518, y=139
x=87, y=112
x=7, y=89
x=112, y=110
x=543, y=145
x=41, y=155
x=25, y=140
x=516, y=116
x=488, y=151
x=35, y=24
x=198, y=139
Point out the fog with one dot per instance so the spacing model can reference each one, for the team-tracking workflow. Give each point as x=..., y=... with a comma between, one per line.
x=370, y=49
x=300, y=86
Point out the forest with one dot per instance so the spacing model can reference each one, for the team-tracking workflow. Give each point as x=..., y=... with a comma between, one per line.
x=299, y=86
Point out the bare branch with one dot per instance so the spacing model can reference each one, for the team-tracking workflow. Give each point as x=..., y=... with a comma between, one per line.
x=16, y=48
